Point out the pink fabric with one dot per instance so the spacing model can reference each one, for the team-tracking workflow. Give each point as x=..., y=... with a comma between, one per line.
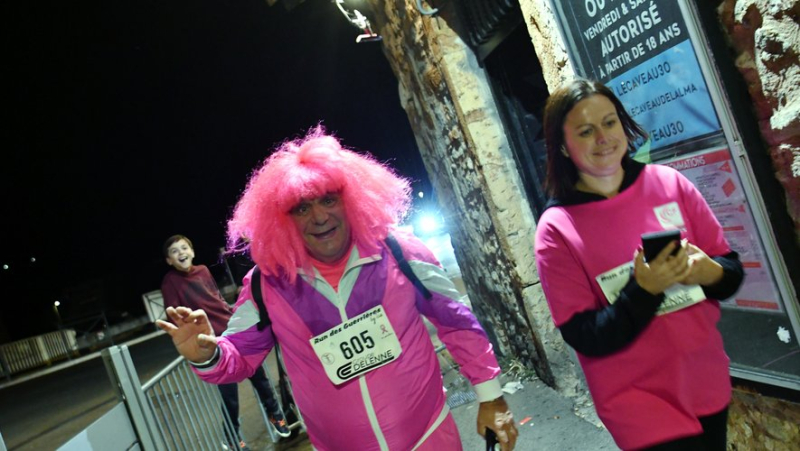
x=405, y=396
x=676, y=369
x=445, y=438
x=331, y=272
x=375, y=197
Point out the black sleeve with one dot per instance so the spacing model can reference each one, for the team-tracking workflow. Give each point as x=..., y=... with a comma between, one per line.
x=732, y=276
x=602, y=332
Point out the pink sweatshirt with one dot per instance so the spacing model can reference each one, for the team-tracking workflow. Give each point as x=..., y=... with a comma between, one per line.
x=654, y=389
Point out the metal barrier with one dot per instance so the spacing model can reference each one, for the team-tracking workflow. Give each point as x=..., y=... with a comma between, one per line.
x=174, y=410
x=36, y=352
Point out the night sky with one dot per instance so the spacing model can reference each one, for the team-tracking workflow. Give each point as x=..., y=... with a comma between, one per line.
x=130, y=121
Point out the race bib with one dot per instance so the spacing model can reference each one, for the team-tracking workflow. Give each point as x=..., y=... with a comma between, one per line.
x=357, y=346
x=676, y=297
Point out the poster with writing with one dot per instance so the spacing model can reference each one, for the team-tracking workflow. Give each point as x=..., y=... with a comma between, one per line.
x=612, y=36
x=713, y=174
x=642, y=51
x=668, y=97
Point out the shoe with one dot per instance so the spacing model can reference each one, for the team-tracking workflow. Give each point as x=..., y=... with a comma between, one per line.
x=279, y=424
x=242, y=446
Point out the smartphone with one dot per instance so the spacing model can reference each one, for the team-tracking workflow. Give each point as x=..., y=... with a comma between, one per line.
x=653, y=242
x=491, y=440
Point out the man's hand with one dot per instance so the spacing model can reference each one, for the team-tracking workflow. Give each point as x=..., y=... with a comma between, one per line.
x=191, y=333
x=496, y=416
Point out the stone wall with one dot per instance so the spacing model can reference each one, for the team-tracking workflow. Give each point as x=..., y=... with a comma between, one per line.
x=761, y=422
x=765, y=35
x=459, y=133
x=556, y=69
x=546, y=39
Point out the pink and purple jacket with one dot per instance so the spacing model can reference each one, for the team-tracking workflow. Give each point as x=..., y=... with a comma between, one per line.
x=676, y=369
x=392, y=407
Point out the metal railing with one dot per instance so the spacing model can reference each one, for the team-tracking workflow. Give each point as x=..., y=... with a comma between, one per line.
x=174, y=410
x=35, y=352
x=187, y=411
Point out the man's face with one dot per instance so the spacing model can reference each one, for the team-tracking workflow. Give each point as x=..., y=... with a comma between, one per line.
x=322, y=223
x=180, y=255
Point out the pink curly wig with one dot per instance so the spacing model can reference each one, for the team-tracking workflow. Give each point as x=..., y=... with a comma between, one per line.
x=374, y=196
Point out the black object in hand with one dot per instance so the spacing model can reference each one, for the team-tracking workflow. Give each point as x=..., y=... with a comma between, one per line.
x=652, y=243
x=491, y=440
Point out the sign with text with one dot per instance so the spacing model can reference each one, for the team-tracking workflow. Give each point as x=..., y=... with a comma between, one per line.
x=613, y=36
x=652, y=54
x=668, y=97
x=713, y=174
x=642, y=51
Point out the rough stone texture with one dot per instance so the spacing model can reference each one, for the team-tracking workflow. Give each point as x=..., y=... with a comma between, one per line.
x=461, y=139
x=766, y=38
x=546, y=38
x=761, y=422
x=765, y=34
x=462, y=142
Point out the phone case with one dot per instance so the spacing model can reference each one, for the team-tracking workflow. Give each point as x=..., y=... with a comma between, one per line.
x=655, y=241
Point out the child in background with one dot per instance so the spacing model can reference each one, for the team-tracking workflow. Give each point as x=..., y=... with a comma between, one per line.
x=193, y=286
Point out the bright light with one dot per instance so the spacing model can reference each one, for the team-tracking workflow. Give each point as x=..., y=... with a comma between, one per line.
x=421, y=194
x=5, y=266
x=33, y=259
x=57, y=303
x=428, y=224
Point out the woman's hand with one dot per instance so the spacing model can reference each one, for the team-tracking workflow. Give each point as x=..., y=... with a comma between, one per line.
x=703, y=269
x=665, y=270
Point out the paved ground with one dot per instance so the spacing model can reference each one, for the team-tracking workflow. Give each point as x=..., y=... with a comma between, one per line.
x=42, y=410
x=545, y=419
x=549, y=423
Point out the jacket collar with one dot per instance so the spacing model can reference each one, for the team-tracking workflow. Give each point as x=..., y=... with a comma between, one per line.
x=632, y=170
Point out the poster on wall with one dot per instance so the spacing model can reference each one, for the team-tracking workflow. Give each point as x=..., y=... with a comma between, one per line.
x=652, y=55
x=642, y=51
x=713, y=174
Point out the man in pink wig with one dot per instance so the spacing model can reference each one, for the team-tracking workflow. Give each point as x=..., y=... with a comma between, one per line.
x=364, y=373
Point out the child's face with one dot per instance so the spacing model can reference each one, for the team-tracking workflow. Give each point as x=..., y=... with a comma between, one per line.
x=180, y=255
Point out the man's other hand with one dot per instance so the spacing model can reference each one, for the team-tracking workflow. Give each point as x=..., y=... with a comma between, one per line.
x=496, y=416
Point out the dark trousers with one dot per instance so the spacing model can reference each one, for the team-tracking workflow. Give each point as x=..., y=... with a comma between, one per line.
x=230, y=396
x=713, y=438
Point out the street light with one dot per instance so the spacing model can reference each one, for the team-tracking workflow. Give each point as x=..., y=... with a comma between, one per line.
x=55, y=309
x=428, y=224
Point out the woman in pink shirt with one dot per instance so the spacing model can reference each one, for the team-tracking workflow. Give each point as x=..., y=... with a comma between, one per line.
x=652, y=355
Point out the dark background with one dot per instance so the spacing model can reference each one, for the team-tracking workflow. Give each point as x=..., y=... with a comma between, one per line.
x=129, y=121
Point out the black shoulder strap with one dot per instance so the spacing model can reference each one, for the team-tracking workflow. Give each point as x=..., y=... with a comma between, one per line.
x=287, y=400
x=397, y=252
x=258, y=298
